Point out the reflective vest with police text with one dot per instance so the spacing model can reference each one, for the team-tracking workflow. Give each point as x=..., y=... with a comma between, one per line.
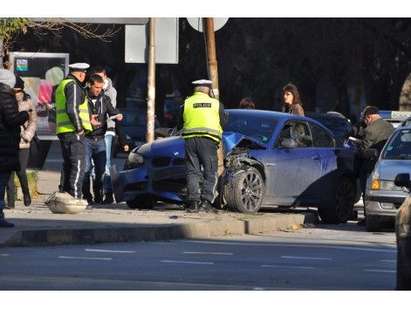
x=202, y=117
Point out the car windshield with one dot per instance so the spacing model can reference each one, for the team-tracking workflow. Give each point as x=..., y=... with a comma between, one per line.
x=259, y=127
x=399, y=148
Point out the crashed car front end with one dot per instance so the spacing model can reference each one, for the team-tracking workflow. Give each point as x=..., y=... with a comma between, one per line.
x=158, y=169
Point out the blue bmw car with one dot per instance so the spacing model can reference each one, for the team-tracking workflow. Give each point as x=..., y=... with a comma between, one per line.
x=271, y=159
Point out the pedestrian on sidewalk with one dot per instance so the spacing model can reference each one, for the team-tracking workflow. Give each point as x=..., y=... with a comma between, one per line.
x=28, y=130
x=73, y=121
x=10, y=121
x=202, y=122
x=101, y=108
x=292, y=101
x=111, y=132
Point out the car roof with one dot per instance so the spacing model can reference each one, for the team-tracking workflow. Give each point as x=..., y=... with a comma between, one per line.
x=265, y=113
x=279, y=116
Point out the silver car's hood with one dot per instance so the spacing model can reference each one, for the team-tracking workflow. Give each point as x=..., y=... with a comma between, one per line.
x=388, y=169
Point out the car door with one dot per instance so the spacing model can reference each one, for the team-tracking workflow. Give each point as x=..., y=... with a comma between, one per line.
x=324, y=145
x=293, y=165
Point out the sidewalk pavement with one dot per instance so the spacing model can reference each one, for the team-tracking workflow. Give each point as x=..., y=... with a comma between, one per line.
x=36, y=225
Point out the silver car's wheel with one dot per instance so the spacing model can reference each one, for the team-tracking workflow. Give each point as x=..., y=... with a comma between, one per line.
x=373, y=223
x=246, y=191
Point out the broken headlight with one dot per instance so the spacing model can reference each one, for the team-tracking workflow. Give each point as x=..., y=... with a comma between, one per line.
x=134, y=160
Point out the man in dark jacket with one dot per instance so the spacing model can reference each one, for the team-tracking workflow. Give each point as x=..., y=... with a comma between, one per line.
x=10, y=121
x=374, y=137
x=100, y=107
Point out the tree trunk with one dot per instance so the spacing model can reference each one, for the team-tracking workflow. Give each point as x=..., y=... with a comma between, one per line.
x=1, y=52
x=405, y=96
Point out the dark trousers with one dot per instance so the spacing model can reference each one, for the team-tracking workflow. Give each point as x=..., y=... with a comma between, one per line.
x=4, y=178
x=22, y=175
x=201, y=152
x=95, y=155
x=73, y=150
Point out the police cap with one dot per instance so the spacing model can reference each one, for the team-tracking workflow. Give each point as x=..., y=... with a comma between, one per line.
x=79, y=66
x=202, y=82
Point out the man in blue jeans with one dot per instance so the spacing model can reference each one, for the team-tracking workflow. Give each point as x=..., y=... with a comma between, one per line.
x=100, y=108
x=111, y=131
x=10, y=121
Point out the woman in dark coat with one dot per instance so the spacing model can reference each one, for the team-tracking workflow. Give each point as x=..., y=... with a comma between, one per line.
x=10, y=121
x=292, y=101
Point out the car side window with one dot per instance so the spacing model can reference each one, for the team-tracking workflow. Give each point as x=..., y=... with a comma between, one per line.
x=295, y=135
x=321, y=138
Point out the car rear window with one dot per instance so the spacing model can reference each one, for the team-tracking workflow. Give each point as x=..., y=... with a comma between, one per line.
x=399, y=147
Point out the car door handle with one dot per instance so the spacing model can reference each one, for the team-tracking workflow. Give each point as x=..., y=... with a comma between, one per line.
x=315, y=157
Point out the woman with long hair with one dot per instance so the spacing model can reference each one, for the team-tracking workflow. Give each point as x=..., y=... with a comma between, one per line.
x=27, y=132
x=292, y=100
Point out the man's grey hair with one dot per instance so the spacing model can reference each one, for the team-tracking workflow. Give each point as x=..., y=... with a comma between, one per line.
x=204, y=89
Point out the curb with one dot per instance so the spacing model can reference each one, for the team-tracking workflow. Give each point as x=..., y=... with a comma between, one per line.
x=48, y=237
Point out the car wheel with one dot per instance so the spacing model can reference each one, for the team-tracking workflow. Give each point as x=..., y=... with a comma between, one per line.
x=343, y=206
x=375, y=223
x=246, y=191
x=142, y=202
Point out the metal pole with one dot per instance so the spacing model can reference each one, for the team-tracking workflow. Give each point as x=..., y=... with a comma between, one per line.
x=151, y=82
x=212, y=55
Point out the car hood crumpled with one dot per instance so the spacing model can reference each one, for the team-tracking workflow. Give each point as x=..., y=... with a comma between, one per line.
x=174, y=146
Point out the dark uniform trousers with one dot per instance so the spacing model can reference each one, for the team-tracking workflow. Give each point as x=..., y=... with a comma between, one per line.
x=201, y=152
x=73, y=150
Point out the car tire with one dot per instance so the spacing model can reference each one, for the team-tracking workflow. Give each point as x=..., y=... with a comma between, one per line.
x=246, y=192
x=343, y=204
x=142, y=202
x=373, y=223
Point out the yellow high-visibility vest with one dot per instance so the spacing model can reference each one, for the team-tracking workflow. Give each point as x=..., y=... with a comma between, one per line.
x=202, y=117
x=63, y=122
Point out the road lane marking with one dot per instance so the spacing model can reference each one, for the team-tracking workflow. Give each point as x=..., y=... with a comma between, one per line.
x=4, y=254
x=207, y=253
x=290, y=245
x=108, y=251
x=380, y=271
x=286, y=266
x=84, y=258
x=187, y=262
x=388, y=261
x=305, y=258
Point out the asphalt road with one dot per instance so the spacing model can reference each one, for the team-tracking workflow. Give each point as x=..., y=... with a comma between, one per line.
x=343, y=257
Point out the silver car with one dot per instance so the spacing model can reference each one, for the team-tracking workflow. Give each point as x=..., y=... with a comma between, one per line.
x=383, y=197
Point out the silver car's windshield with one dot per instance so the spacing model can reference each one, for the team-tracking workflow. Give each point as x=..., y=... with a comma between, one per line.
x=399, y=148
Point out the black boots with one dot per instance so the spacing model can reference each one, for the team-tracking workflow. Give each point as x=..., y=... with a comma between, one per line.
x=10, y=200
x=3, y=222
x=27, y=199
x=193, y=207
x=207, y=207
x=203, y=206
x=108, y=198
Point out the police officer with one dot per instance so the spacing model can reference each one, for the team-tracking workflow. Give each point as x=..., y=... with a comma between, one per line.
x=202, y=117
x=72, y=122
x=373, y=139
